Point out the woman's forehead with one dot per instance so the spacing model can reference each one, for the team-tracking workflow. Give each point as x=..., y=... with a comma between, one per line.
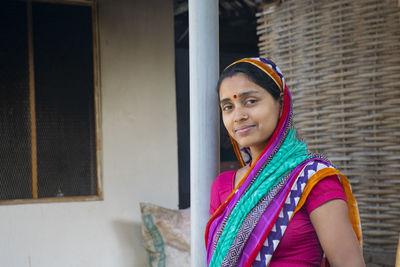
x=238, y=83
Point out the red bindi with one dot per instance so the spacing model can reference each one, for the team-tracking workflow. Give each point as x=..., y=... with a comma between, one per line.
x=235, y=96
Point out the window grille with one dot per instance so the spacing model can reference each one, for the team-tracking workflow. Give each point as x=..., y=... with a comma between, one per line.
x=48, y=72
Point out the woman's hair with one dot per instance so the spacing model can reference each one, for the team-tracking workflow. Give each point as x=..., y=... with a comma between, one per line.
x=254, y=74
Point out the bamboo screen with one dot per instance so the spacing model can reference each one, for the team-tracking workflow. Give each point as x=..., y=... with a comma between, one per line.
x=341, y=60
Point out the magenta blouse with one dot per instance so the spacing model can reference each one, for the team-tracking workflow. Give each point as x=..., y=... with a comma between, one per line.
x=299, y=245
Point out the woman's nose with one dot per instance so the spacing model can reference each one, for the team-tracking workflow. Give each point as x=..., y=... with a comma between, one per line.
x=240, y=114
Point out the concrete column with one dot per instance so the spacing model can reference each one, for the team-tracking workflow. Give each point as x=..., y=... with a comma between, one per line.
x=204, y=117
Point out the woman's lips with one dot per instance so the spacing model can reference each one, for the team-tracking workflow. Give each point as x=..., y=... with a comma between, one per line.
x=244, y=129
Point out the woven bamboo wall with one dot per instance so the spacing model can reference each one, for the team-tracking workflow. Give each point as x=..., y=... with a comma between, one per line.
x=341, y=60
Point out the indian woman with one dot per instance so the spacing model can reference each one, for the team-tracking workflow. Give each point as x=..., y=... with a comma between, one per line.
x=286, y=206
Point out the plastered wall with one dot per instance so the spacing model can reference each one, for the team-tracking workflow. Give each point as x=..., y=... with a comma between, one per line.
x=139, y=151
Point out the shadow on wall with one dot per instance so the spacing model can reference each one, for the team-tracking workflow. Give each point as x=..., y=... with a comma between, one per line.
x=129, y=235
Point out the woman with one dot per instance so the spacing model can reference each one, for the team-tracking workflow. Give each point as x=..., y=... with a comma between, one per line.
x=285, y=206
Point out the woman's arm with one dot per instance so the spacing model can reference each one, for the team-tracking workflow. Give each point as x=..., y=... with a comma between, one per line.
x=335, y=233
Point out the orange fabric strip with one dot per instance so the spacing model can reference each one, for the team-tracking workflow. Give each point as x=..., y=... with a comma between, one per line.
x=238, y=154
x=351, y=201
x=264, y=68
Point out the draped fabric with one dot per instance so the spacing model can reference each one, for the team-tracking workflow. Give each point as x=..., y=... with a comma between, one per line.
x=246, y=229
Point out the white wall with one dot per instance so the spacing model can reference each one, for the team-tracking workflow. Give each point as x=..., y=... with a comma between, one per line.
x=139, y=143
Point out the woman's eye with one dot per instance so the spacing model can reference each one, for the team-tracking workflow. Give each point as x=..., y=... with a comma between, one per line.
x=251, y=101
x=227, y=107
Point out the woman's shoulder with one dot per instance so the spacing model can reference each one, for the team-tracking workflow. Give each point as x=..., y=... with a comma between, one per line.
x=327, y=189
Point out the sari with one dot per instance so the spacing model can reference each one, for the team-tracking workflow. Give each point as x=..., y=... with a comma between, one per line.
x=247, y=228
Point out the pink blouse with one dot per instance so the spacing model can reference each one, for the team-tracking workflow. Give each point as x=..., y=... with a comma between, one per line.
x=299, y=245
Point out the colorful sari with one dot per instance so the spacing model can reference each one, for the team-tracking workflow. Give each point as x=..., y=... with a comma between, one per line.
x=247, y=228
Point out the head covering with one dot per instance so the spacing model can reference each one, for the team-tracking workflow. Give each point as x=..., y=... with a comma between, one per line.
x=246, y=229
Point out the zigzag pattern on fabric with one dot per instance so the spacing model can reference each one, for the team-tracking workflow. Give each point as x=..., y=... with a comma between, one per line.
x=271, y=243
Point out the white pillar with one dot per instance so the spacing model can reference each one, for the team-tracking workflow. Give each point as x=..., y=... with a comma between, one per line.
x=204, y=118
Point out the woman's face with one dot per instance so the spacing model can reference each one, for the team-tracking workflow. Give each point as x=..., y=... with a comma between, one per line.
x=249, y=112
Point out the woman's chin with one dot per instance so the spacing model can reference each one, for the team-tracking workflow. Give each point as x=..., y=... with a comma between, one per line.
x=246, y=141
x=243, y=143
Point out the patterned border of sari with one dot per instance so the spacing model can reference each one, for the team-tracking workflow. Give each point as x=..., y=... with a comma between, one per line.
x=289, y=194
x=268, y=232
x=319, y=169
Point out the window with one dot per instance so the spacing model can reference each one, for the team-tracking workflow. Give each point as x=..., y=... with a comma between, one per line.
x=48, y=108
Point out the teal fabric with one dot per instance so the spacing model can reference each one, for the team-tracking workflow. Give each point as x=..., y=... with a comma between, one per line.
x=291, y=153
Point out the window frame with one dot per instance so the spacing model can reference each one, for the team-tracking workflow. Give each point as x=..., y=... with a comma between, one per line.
x=96, y=101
